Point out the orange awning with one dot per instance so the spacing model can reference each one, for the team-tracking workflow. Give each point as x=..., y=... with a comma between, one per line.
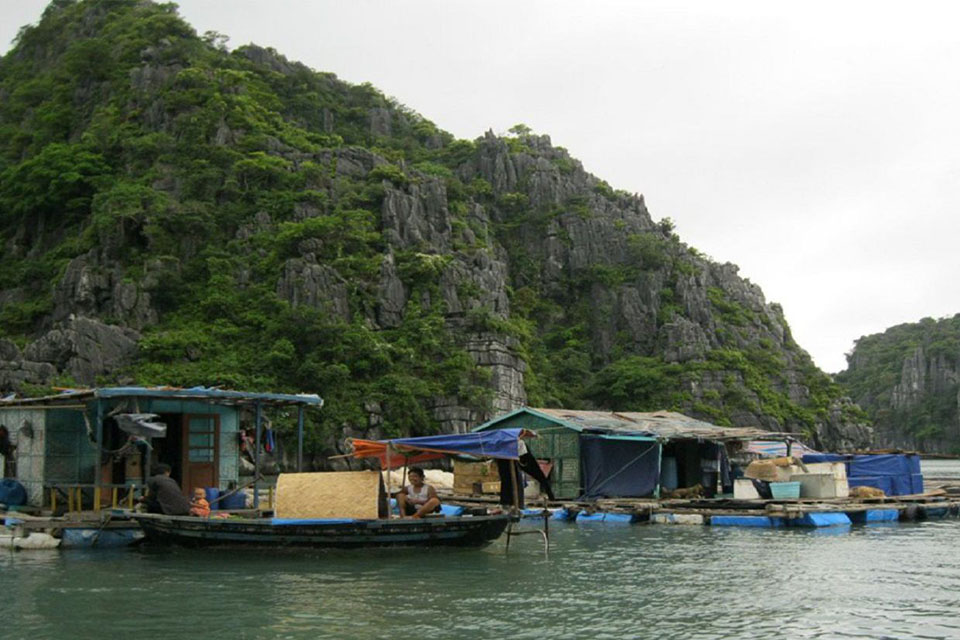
x=399, y=456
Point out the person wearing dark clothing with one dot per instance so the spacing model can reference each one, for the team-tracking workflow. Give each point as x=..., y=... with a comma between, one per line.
x=709, y=468
x=528, y=464
x=6, y=450
x=507, y=479
x=164, y=495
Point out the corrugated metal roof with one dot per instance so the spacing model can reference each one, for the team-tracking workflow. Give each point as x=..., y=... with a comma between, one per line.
x=661, y=424
x=204, y=394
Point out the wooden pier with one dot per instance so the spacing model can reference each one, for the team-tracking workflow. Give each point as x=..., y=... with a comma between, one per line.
x=940, y=502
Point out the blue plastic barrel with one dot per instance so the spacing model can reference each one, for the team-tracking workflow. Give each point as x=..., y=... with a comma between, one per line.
x=236, y=500
x=12, y=493
x=668, y=473
x=212, y=494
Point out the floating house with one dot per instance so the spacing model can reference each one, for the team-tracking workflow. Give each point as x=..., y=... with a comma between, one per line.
x=88, y=446
x=624, y=454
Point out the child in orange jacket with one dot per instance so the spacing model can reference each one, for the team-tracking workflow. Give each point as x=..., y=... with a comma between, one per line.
x=199, y=505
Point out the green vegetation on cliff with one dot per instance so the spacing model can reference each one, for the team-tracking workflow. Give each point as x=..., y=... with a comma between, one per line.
x=265, y=226
x=907, y=380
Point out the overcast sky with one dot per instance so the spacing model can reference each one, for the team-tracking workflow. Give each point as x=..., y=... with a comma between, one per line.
x=815, y=144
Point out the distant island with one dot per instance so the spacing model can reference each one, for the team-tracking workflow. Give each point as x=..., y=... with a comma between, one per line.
x=907, y=379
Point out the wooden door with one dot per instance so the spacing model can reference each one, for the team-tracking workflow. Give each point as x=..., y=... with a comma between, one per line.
x=201, y=451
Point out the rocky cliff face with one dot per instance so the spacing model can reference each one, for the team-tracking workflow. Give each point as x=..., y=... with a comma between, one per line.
x=423, y=281
x=908, y=380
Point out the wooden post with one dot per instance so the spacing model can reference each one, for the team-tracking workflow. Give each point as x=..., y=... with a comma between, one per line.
x=69, y=499
x=389, y=484
x=256, y=461
x=53, y=499
x=98, y=478
x=114, y=501
x=514, y=481
x=130, y=493
x=656, y=491
x=300, y=439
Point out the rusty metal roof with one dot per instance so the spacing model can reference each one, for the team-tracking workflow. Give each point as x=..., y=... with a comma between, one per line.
x=667, y=425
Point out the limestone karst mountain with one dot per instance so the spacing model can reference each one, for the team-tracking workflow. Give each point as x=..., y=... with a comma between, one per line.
x=907, y=379
x=172, y=212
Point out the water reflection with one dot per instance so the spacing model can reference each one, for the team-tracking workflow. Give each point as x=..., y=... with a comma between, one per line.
x=618, y=582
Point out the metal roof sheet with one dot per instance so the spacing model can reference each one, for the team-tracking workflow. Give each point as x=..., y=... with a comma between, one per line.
x=204, y=394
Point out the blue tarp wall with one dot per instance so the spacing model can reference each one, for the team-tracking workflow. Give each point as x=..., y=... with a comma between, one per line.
x=619, y=467
x=897, y=474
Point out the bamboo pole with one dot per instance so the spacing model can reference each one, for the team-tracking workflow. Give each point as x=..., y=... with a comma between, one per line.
x=389, y=483
x=256, y=461
x=98, y=479
x=300, y=439
x=656, y=491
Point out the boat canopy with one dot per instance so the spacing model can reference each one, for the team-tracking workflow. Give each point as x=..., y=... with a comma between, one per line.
x=502, y=444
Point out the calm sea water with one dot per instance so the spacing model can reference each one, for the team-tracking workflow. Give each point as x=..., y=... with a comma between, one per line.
x=899, y=581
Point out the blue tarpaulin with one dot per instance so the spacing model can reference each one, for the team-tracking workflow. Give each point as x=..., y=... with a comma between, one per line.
x=498, y=443
x=619, y=467
x=896, y=474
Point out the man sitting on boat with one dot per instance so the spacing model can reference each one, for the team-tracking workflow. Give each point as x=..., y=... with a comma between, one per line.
x=164, y=495
x=417, y=499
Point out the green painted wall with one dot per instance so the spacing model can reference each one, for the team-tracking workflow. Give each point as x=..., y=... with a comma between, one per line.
x=70, y=456
x=61, y=451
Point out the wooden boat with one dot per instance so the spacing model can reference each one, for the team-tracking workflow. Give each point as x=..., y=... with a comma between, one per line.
x=314, y=505
x=459, y=531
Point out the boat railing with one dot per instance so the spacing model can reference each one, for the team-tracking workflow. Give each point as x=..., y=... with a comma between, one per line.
x=544, y=531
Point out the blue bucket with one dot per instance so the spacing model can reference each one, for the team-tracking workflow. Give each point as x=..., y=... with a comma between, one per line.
x=212, y=494
x=236, y=500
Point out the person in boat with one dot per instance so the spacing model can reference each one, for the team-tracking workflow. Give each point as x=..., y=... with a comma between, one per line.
x=164, y=495
x=418, y=498
x=199, y=505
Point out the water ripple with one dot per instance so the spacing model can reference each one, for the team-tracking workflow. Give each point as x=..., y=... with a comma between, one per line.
x=599, y=582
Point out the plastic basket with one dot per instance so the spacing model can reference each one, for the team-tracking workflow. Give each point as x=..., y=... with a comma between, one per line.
x=785, y=490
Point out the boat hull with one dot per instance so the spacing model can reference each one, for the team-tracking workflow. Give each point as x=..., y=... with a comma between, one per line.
x=471, y=531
